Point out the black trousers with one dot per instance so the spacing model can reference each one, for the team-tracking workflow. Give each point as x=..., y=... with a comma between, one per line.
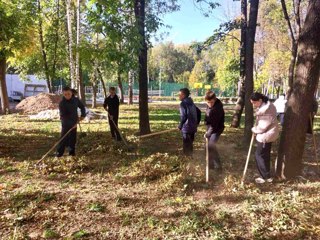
x=214, y=157
x=263, y=154
x=113, y=129
x=281, y=118
x=68, y=142
x=188, y=139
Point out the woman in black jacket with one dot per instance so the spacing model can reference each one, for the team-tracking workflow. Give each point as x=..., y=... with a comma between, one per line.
x=214, y=120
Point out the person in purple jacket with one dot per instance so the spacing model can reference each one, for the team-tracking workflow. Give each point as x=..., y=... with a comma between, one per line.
x=188, y=120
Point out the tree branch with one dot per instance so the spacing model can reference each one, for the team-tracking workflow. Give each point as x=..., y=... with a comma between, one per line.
x=286, y=16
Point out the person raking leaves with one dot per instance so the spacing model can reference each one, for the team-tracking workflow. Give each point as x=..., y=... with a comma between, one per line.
x=214, y=120
x=111, y=105
x=68, y=109
x=266, y=131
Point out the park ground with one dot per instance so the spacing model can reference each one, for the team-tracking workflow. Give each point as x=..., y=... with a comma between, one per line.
x=147, y=192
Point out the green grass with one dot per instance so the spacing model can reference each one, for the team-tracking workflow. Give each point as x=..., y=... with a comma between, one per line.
x=153, y=192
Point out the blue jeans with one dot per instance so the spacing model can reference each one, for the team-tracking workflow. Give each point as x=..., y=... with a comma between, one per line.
x=214, y=157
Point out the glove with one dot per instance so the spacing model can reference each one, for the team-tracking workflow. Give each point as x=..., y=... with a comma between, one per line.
x=254, y=130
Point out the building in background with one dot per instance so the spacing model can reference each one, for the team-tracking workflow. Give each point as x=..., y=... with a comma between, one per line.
x=18, y=88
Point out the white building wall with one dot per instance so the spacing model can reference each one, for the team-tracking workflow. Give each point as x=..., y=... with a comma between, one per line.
x=14, y=83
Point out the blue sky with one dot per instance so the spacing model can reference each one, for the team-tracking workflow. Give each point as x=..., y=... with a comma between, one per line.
x=189, y=24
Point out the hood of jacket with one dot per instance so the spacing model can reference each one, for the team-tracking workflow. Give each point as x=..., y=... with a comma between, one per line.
x=266, y=109
x=217, y=104
x=188, y=101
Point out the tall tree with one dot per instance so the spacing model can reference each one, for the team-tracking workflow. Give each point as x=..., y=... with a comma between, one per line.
x=294, y=35
x=43, y=49
x=250, y=39
x=306, y=81
x=70, y=39
x=78, y=69
x=241, y=97
x=3, y=86
x=14, y=25
x=105, y=93
x=130, y=87
x=144, y=124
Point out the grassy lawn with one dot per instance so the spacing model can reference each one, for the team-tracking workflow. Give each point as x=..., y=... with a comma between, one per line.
x=151, y=192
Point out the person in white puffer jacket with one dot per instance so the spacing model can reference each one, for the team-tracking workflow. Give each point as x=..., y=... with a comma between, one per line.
x=267, y=131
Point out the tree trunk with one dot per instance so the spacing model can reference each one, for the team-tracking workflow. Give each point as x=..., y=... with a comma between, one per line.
x=3, y=85
x=251, y=33
x=94, y=91
x=55, y=49
x=77, y=61
x=241, y=93
x=43, y=50
x=70, y=44
x=294, y=53
x=294, y=40
x=102, y=83
x=144, y=124
x=130, y=90
x=81, y=87
x=120, y=87
x=293, y=136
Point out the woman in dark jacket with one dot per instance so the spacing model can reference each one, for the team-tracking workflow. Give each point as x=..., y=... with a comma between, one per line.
x=214, y=120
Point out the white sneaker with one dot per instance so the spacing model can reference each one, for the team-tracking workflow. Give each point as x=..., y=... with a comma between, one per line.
x=261, y=180
x=269, y=180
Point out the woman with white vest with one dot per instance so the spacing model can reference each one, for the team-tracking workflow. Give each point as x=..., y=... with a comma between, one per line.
x=267, y=131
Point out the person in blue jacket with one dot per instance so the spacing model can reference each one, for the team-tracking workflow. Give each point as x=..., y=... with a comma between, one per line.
x=68, y=109
x=188, y=120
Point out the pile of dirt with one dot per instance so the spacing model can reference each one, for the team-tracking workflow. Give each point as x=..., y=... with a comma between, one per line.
x=39, y=103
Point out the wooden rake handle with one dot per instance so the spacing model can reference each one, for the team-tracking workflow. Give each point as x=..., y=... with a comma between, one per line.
x=207, y=161
x=314, y=141
x=115, y=125
x=56, y=144
x=248, y=158
x=158, y=133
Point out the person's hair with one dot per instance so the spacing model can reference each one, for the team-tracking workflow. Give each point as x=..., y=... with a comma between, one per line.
x=210, y=95
x=74, y=92
x=64, y=89
x=257, y=96
x=185, y=91
x=112, y=89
